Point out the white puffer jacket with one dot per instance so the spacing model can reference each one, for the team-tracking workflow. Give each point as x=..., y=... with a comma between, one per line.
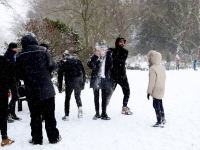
x=157, y=76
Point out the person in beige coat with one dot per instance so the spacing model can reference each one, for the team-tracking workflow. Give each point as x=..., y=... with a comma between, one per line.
x=156, y=87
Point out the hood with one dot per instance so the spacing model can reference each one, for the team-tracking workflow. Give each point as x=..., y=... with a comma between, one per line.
x=154, y=58
x=66, y=53
x=28, y=40
x=117, y=41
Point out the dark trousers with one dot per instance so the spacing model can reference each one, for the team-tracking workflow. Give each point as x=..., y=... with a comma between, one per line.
x=158, y=106
x=106, y=94
x=125, y=88
x=47, y=107
x=11, y=106
x=177, y=67
x=3, y=114
x=68, y=93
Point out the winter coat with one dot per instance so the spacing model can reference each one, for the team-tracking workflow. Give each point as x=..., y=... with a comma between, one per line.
x=157, y=76
x=10, y=55
x=195, y=63
x=168, y=58
x=177, y=59
x=119, y=56
x=72, y=68
x=33, y=65
x=95, y=63
x=6, y=75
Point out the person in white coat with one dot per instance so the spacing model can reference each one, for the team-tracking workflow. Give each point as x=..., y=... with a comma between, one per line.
x=156, y=86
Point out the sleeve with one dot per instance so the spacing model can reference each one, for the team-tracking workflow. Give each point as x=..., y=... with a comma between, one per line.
x=109, y=59
x=19, y=68
x=83, y=71
x=51, y=63
x=92, y=62
x=152, y=80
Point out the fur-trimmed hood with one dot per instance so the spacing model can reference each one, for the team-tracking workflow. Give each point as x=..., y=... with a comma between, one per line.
x=154, y=58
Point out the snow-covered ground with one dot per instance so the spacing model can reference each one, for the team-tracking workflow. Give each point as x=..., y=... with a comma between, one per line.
x=182, y=109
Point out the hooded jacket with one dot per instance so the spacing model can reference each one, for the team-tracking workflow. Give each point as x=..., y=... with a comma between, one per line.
x=73, y=70
x=157, y=76
x=33, y=65
x=119, y=55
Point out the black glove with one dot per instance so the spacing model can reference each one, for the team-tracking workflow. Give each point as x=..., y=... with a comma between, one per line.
x=148, y=96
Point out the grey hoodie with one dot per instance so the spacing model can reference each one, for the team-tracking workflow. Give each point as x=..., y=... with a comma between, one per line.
x=157, y=76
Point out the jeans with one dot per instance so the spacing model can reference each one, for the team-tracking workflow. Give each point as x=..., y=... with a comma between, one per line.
x=168, y=65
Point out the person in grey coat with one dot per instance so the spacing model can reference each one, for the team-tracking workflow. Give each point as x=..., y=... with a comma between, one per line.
x=34, y=65
x=156, y=86
x=101, y=64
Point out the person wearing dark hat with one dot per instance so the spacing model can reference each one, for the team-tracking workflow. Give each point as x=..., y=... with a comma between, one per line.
x=10, y=53
x=118, y=72
x=34, y=65
x=6, y=82
x=101, y=63
x=72, y=68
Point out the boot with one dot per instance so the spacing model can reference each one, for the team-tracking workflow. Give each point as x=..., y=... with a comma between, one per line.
x=97, y=116
x=6, y=142
x=80, y=112
x=104, y=116
x=14, y=117
x=65, y=118
x=126, y=111
x=158, y=124
x=35, y=143
x=9, y=119
x=57, y=140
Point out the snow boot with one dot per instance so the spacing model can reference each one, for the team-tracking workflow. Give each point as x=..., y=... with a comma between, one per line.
x=6, y=142
x=9, y=119
x=80, y=112
x=97, y=116
x=158, y=124
x=126, y=111
x=104, y=116
x=65, y=118
x=14, y=117
x=35, y=143
x=57, y=140
x=164, y=121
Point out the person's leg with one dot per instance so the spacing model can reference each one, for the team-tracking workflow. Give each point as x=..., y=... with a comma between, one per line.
x=126, y=90
x=68, y=93
x=35, y=107
x=50, y=120
x=77, y=94
x=3, y=115
x=162, y=110
x=104, y=96
x=156, y=105
x=96, y=99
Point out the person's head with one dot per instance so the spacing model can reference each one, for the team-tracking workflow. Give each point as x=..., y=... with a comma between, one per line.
x=154, y=58
x=12, y=47
x=169, y=53
x=66, y=53
x=28, y=39
x=103, y=45
x=44, y=45
x=120, y=42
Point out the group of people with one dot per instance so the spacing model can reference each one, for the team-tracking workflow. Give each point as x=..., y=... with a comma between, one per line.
x=177, y=59
x=34, y=65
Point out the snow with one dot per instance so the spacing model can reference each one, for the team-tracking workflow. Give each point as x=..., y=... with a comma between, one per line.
x=181, y=104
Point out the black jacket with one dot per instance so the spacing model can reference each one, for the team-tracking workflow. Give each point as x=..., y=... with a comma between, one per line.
x=6, y=75
x=34, y=65
x=74, y=72
x=119, y=61
x=95, y=64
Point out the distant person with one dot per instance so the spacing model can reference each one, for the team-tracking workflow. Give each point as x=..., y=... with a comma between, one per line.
x=156, y=86
x=195, y=64
x=72, y=69
x=177, y=59
x=10, y=54
x=118, y=72
x=7, y=80
x=34, y=65
x=101, y=63
x=168, y=59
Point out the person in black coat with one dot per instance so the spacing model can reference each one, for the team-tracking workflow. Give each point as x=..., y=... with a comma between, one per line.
x=11, y=51
x=101, y=63
x=72, y=68
x=6, y=82
x=118, y=72
x=33, y=65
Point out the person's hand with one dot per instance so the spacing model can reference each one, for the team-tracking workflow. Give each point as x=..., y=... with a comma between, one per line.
x=97, y=53
x=148, y=96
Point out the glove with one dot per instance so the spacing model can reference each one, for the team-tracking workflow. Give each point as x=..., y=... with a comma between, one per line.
x=148, y=96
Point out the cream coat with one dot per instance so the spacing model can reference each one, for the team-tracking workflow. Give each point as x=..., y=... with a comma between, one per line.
x=157, y=76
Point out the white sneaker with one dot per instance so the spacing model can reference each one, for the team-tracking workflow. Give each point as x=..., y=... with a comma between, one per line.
x=65, y=118
x=126, y=111
x=80, y=112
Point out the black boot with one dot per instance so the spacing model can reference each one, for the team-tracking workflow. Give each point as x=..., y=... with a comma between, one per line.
x=97, y=116
x=104, y=116
x=9, y=117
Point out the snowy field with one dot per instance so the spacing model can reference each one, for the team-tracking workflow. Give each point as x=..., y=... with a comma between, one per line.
x=182, y=110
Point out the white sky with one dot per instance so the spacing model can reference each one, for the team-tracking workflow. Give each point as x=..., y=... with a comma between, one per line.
x=20, y=8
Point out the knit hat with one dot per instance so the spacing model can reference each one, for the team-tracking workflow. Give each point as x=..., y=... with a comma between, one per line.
x=66, y=53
